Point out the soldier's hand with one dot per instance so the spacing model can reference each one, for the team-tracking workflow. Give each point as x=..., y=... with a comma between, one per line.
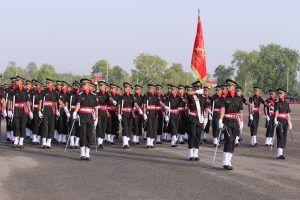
x=4, y=114
x=140, y=111
x=75, y=116
x=119, y=117
x=221, y=125
x=290, y=125
x=30, y=115
x=145, y=117
x=114, y=102
x=210, y=117
x=251, y=117
x=267, y=118
x=200, y=91
x=95, y=123
x=275, y=122
x=40, y=115
x=68, y=114
x=57, y=113
x=167, y=118
x=167, y=108
x=10, y=114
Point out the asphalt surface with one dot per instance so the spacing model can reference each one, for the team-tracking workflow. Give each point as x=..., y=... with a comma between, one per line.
x=160, y=173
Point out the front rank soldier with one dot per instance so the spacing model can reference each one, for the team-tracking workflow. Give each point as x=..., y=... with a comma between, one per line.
x=113, y=122
x=29, y=91
x=182, y=124
x=209, y=104
x=167, y=131
x=198, y=113
x=160, y=114
x=269, y=113
x=282, y=121
x=19, y=110
x=137, y=118
x=231, y=109
x=86, y=107
x=255, y=102
x=47, y=112
x=9, y=125
x=126, y=104
x=216, y=108
x=36, y=98
x=57, y=135
x=103, y=99
x=75, y=134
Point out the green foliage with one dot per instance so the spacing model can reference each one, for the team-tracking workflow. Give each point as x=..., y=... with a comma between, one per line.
x=222, y=73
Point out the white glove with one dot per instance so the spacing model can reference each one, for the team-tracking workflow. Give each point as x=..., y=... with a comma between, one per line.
x=167, y=118
x=271, y=107
x=140, y=111
x=167, y=108
x=275, y=122
x=30, y=115
x=252, y=105
x=290, y=125
x=75, y=116
x=57, y=113
x=40, y=114
x=267, y=118
x=4, y=114
x=95, y=123
x=200, y=91
x=210, y=117
x=251, y=117
x=114, y=102
x=10, y=114
x=209, y=111
x=221, y=123
x=68, y=114
x=205, y=122
x=145, y=117
x=119, y=117
x=241, y=125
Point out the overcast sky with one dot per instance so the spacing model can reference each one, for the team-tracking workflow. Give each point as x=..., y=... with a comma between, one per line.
x=73, y=34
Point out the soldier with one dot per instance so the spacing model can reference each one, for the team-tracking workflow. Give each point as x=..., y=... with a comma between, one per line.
x=2, y=103
x=19, y=110
x=231, y=108
x=29, y=91
x=167, y=131
x=282, y=121
x=269, y=113
x=255, y=102
x=160, y=114
x=63, y=113
x=113, y=122
x=182, y=123
x=209, y=104
x=86, y=106
x=9, y=127
x=137, y=118
x=75, y=134
x=57, y=136
x=216, y=108
x=36, y=98
x=103, y=99
x=47, y=112
x=198, y=113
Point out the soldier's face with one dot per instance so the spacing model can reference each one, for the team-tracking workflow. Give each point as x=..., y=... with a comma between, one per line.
x=150, y=89
x=127, y=89
x=138, y=90
x=28, y=86
x=181, y=91
x=272, y=94
x=239, y=92
x=219, y=92
x=174, y=91
x=114, y=90
x=102, y=87
x=257, y=92
x=158, y=91
x=86, y=86
x=230, y=88
x=49, y=84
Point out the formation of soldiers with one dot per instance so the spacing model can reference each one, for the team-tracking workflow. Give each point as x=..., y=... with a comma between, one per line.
x=83, y=113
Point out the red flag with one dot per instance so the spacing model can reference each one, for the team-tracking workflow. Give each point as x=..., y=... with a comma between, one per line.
x=198, y=59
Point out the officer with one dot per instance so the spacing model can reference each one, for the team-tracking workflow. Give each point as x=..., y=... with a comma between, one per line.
x=86, y=107
x=282, y=121
x=269, y=113
x=216, y=108
x=231, y=109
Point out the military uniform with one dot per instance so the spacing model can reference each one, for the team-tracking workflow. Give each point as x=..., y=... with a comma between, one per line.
x=183, y=119
x=216, y=99
x=269, y=112
x=160, y=116
x=37, y=96
x=209, y=105
x=138, y=121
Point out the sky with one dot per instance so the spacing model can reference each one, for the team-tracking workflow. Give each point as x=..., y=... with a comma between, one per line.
x=74, y=34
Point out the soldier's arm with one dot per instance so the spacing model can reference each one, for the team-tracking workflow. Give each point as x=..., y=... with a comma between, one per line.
x=77, y=107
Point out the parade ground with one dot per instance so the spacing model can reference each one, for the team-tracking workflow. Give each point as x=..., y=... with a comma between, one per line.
x=160, y=173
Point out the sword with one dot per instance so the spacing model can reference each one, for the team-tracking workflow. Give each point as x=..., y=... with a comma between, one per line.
x=43, y=105
x=13, y=109
x=69, y=135
x=216, y=149
x=292, y=138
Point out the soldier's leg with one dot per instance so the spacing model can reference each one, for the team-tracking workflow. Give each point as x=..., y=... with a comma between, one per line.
x=83, y=139
x=192, y=137
x=23, y=121
x=199, y=130
x=89, y=136
x=16, y=129
x=174, y=124
x=51, y=127
x=228, y=146
x=159, y=129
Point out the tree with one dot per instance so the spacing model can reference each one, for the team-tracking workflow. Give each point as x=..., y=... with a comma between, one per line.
x=222, y=73
x=177, y=76
x=101, y=66
x=117, y=75
x=13, y=70
x=31, y=70
x=46, y=71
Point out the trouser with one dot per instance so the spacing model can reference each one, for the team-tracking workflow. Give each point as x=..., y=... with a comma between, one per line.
x=215, y=126
x=206, y=129
x=182, y=123
x=113, y=124
x=138, y=125
x=270, y=128
x=9, y=125
x=127, y=125
x=230, y=133
x=195, y=132
x=48, y=124
x=152, y=126
x=254, y=124
x=19, y=125
x=62, y=124
x=173, y=123
x=160, y=124
x=36, y=124
x=86, y=133
x=101, y=126
x=281, y=133
x=76, y=129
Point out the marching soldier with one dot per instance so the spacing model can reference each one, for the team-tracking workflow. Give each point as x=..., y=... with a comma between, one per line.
x=198, y=113
x=9, y=127
x=29, y=91
x=57, y=135
x=36, y=98
x=255, y=102
x=75, y=134
x=113, y=122
x=138, y=120
x=216, y=108
x=182, y=123
x=209, y=104
x=125, y=113
x=103, y=99
x=86, y=107
x=231, y=109
x=19, y=110
x=47, y=112
x=269, y=113
x=160, y=114
x=282, y=121
x=167, y=131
